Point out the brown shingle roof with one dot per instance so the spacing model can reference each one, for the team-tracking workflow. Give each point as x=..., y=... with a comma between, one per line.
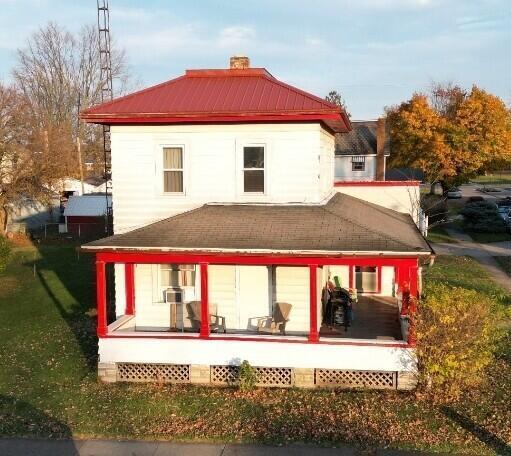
x=344, y=224
x=361, y=140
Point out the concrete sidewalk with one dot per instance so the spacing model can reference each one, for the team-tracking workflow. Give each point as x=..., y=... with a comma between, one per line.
x=483, y=253
x=36, y=447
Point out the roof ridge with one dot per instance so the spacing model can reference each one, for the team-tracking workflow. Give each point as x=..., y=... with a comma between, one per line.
x=132, y=94
x=361, y=225
x=227, y=72
x=304, y=93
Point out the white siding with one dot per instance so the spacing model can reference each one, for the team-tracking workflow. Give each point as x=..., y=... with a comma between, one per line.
x=222, y=292
x=151, y=312
x=344, y=172
x=120, y=290
x=213, y=167
x=400, y=198
x=150, y=309
x=292, y=286
x=343, y=272
x=241, y=294
x=326, y=163
x=253, y=295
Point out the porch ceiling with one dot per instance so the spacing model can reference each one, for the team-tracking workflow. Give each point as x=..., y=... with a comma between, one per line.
x=343, y=224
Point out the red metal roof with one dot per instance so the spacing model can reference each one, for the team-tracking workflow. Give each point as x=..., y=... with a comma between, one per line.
x=232, y=95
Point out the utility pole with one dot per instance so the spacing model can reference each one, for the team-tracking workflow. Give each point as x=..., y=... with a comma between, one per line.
x=78, y=143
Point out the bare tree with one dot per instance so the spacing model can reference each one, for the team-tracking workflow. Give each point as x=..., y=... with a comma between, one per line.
x=30, y=154
x=336, y=98
x=59, y=73
x=446, y=98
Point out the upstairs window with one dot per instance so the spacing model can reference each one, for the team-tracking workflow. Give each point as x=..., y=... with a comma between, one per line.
x=253, y=169
x=358, y=163
x=173, y=169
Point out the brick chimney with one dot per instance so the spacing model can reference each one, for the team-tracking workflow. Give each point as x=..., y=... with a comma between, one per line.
x=239, y=62
x=380, y=150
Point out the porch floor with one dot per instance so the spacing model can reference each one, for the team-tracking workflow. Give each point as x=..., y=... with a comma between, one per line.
x=374, y=317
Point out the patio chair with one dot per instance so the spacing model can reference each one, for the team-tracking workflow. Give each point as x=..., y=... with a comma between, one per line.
x=277, y=322
x=216, y=322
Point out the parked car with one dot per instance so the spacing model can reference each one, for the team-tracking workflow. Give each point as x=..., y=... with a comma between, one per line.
x=504, y=202
x=453, y=193
x=505, y=213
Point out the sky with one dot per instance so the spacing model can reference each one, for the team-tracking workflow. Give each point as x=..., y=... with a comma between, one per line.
x=376, y=53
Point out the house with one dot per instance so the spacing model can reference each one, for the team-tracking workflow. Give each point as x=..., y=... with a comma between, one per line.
x=85, y=215
x=228, y=226
x=361, y=154
x=72, y=186
x=28, y=214
x=361, y=170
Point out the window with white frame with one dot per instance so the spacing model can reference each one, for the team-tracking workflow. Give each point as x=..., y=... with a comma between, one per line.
x=177, y=275
x=358, y=163
x=253, y=169
x=173, y=171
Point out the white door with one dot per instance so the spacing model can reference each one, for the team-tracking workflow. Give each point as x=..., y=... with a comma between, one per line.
x=222, y=293
x=253, y=295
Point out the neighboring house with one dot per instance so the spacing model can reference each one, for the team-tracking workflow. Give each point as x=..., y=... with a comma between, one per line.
x=85, y=215
x=27, y=214
x=228, y=225
x=361, y=170
x=361, y=154
x=71, y=186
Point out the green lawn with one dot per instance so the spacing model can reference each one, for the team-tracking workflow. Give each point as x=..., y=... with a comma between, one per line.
x=485, y=238
x=466, y=272
x=48, y=381
x=497, y=178
x=439, y=235
x=505, y=263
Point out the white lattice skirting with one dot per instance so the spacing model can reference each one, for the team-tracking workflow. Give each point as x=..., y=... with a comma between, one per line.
x=165, y=373
x=266, y=376
x=281, y=377
x=355, y=379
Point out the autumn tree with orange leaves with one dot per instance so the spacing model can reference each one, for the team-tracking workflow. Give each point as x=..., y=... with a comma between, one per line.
x=451, y=134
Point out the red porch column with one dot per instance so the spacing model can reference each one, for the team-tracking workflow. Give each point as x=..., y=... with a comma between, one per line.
x=414, y=287
x=404, y=288
x=313, y=286
x=412, y=304
x=101, y=298
x=204, y=326
x=129, y=282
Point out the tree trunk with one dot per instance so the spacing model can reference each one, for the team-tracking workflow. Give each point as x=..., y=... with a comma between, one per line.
x=4, y=218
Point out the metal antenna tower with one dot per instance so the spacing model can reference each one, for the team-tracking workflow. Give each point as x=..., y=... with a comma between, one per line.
x=105, y=68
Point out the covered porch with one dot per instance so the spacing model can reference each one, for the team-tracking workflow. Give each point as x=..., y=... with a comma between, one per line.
x=198, y=293
x=249, y=297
